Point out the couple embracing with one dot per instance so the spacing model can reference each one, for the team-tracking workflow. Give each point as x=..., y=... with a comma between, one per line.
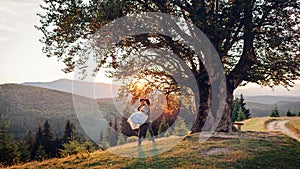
x=140, y=120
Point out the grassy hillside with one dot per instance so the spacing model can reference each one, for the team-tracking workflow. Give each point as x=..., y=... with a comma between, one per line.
x=242, y=150
x=26, y=106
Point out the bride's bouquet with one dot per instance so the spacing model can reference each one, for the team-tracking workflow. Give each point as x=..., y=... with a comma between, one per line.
x=137, y=119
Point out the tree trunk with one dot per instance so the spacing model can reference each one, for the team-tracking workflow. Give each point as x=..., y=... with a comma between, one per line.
x=225, y=124
x=204, y=87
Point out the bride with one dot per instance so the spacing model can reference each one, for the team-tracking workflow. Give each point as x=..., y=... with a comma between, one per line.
x=138, y=118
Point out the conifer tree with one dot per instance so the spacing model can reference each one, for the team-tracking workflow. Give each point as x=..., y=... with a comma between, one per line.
x=38, y=146
x=25, y=153
x=109, y=135
x=115, y=133
x=235, y=109
x=245, y=110
x=163, y=126
x=257, y=41
x=275, y=112
x=241, y=115
x=180, y=128
x=101, y=136
x=121, y=139
x=9, y=153
x=289, y=113
x=30, y=141
x=47, y=138
x=70, y=132
x=40, y=154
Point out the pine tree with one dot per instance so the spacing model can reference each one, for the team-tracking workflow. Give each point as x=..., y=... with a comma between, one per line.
x=101, y=136
x=289, y=113
x=88, y=146
x=121, y=139
x=25, y=153
x=275, y=112
x=245, y=110
x=29, y=139
x=47, y=139
x=299, y=113
x=109, y=135
x=70, y=132
x=104, y=144
x=163, y=126
x=9, y=153
x=40, y=154
x=115, y=133
x=180, y=128
x=241, y=115
x=235, y=109
x=38, y=141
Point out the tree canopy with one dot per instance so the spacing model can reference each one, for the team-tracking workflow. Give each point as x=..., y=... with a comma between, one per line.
x=256, y=40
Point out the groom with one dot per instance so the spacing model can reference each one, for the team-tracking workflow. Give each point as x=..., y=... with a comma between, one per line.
x=145, y=108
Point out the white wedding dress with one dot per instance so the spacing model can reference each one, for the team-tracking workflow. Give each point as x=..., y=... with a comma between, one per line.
x=137, y=119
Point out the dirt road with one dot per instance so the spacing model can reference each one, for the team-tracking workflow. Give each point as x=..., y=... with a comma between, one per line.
x=280, y=126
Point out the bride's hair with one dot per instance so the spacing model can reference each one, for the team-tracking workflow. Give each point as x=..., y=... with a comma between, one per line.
x=147, y=101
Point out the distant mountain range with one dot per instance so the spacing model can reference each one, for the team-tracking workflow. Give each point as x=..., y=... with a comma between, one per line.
x=271, y=99
x=87, y=89
x=28, y=104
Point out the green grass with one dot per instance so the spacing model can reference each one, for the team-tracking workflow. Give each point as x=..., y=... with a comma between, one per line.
x=241, y=150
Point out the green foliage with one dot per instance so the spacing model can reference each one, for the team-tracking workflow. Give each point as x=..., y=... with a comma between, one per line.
x=121, y=139
x=239, y=111
x=89, y=147
x=245, y=110
x=275, y=112
x=148, y=135
x=253, y=39
x=40, y=153
x=72, y=147
x=25, y=153
x=101, y=137
x=299, y=113
x=235, y=109
x=290, y=114
x=47, y=137
x=104, y=144
x=115, y=133
x=9, y=151
x=70, y=132
x=163, y=126
x=30, y=143
x=180, y=128
x=241, y=115
x=76, y=147
x=39, y=104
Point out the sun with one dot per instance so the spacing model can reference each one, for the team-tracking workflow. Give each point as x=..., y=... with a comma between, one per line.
x=140, y=83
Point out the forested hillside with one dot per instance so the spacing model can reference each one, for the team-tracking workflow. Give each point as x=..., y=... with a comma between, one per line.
x=26, y=106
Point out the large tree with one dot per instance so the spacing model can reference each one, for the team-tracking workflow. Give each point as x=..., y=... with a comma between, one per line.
x=256, y=40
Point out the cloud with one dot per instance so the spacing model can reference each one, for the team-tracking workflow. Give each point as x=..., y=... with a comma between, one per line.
x=3, y=39
x=16, y=16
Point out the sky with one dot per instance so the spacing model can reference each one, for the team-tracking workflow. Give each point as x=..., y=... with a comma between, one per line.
x=22, y=60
